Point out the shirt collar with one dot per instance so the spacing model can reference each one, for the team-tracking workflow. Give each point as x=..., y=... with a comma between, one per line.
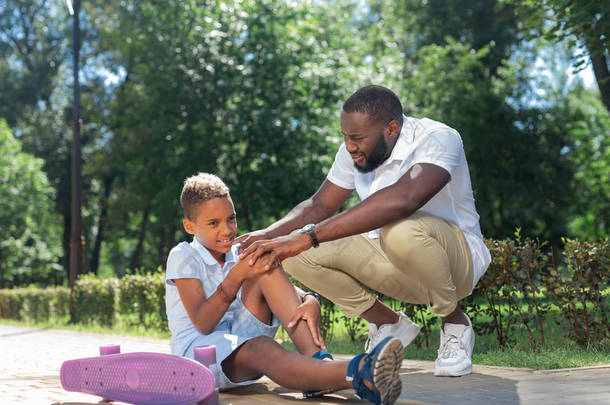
x=405, y=139
x=230, y=257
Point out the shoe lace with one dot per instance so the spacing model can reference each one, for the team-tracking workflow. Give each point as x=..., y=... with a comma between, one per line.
x=450, y=347
x=368, y=345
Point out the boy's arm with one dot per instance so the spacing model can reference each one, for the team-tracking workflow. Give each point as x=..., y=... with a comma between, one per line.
x=206, y=312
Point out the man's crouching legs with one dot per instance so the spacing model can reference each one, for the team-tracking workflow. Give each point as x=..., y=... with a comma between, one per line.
x=435, y=253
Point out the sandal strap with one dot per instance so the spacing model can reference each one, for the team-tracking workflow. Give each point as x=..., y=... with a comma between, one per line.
x=322, y=354
x=357, y=377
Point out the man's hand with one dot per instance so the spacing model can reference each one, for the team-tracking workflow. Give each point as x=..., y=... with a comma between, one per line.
x=309, y=311
x=277, y=249
x=249, y=238
x=263, y=265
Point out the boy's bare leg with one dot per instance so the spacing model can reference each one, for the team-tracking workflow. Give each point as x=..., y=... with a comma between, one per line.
x=272, y=292
x=263, y=356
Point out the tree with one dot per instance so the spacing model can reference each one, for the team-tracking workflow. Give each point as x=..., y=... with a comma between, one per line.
x=31, y=54
x=460, y=66
x=585, y=23
x=29, y=241
x=247, y=90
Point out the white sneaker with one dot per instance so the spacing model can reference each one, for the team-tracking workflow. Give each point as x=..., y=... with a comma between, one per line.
x=455, y=352
x=404, y=329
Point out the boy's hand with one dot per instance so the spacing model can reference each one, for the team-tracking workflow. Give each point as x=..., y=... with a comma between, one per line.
x=279, y=248
x=309, y=311
x=263, y=265
x=249, y=238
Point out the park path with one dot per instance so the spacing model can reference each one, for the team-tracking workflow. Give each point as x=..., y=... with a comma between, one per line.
x=30, y=359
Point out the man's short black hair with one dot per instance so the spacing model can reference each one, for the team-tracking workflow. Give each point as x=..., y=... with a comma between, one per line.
x=380, y=103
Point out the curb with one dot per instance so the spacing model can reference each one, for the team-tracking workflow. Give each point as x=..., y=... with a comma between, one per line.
x=573, y=369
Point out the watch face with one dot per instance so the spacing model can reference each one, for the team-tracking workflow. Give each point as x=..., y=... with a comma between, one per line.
x=308, y=228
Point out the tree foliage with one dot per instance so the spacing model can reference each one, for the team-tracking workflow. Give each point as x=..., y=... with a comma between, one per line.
x=585, y=24
x=251, y=90
x=29, y=241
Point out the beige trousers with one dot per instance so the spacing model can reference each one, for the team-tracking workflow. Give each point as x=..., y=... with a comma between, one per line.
x=420, y=260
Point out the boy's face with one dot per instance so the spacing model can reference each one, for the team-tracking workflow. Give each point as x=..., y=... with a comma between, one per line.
x=215, y=225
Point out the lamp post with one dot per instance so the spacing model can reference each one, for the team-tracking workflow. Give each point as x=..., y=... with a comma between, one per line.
x=76, y=249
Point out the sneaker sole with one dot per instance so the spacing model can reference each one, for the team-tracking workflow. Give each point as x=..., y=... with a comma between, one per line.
x=453, y=372
x=386, y=375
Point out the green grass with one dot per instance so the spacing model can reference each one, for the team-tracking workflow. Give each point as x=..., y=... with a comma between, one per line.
x=559, y=352
x=119, y=328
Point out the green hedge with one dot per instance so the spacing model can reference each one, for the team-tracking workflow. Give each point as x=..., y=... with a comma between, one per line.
x=34, y=304
x=134, y=299
x=521, y=290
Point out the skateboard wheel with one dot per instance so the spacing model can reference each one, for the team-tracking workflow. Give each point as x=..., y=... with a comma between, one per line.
x=206, y=355
x=110, y=349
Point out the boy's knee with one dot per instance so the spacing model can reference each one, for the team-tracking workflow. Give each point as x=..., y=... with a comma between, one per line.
x=258, y=346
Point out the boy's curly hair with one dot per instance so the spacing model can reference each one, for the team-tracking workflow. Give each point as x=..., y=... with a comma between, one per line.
x=200, y=188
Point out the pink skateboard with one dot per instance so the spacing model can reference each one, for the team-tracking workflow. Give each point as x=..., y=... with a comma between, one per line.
x=143, y=377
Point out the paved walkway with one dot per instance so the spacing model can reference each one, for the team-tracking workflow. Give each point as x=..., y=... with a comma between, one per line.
x=30, y=359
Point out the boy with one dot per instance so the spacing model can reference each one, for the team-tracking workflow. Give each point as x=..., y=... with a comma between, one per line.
x=212, y=299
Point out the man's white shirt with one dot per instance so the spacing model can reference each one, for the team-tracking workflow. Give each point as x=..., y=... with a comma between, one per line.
x=424, y=141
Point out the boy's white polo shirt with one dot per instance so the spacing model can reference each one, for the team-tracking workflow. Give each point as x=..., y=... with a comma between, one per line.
x=424, y=141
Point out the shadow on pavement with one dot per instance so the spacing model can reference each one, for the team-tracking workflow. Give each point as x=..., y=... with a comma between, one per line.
x=468, y=390
x=25, y=332
x=261, y=393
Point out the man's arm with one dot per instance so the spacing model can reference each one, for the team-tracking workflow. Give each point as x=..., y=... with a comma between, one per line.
x=414, y=189
x=400, y=200
x=324, y=203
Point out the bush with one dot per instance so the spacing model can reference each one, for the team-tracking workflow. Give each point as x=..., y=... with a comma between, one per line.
x=34, y=304
x=520, y=291
x=580, y=287
x=142, y=300
x=94, y=300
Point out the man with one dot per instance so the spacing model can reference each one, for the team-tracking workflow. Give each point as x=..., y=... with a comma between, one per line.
x=415, y=235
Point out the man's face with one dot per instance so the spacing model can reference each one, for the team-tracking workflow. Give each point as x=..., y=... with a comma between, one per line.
x=366, y=141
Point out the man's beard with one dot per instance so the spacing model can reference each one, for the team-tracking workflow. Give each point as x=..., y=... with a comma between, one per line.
x=375, y=159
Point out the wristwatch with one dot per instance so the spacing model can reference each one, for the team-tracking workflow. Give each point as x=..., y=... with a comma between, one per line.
x=309, y=229
x=313, y=294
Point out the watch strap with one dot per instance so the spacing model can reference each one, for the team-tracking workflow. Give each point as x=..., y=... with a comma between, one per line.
x=313, y=294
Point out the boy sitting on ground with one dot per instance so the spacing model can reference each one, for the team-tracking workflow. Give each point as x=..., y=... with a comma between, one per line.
x=213, y=299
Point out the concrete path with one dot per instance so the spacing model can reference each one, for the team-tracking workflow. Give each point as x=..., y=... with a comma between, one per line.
x=30, y=359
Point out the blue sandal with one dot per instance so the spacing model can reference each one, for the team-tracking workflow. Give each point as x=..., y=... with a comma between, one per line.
x=381, y=368
x=322, y=354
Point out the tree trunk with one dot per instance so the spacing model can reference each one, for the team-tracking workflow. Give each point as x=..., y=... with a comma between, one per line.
x=556, y=255
x=137, y=254
x=94, y=262
x=246, y=212
x=1, y=271
x=66, y=238
x=161, y=254
x=171, y=242
x=602, y=76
